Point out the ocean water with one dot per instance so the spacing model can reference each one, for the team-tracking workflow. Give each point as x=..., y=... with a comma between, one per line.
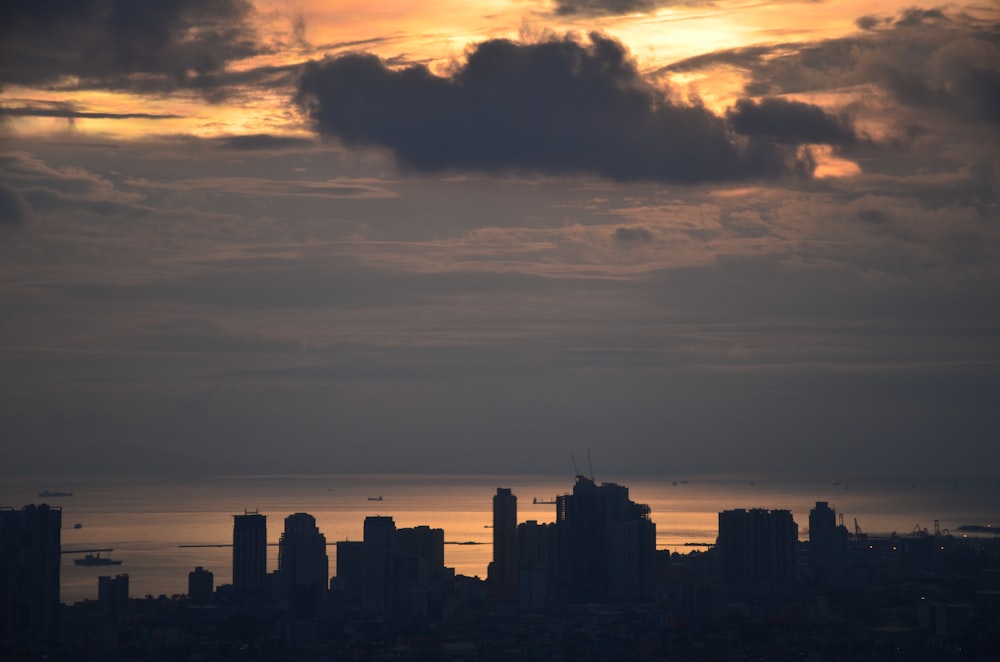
x=147, y=520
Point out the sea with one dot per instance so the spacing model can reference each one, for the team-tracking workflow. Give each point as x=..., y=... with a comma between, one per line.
x=162, y=527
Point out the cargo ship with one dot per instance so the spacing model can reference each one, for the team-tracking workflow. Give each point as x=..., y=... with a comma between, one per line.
x=96, y=559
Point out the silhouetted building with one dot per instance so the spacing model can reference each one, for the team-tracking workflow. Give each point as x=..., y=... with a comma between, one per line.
x=503, y=570
x=535, y=560
x=250, y=556
x=303, y=566
x=757, y=545
x=419, y=574
x=201, y=585
x=827, y=546
x=398, y=573
x=29, y=572
x=350, y=577
x=112, y=594
x=379, y=551
x=606, y=545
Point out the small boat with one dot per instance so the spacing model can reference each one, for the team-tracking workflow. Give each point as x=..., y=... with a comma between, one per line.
x=96, y=559
x=378, y=498
x=48, y=493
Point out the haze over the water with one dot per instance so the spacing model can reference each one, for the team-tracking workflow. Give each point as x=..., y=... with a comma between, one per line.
x=323, y=237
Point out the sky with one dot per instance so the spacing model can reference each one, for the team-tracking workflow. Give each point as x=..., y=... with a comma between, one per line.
x=300, y=236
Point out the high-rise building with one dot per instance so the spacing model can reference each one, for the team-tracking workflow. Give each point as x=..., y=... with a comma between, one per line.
x=380, y=549
x=303, y=566
x=350, y=580
x=503, y=571
x=29, y=572
x=250, y=556
x=112, y=594
x=419, y=574
x=201, y=584
x=757, y=545
x=606, y=545
x=535, y=562
x=827, y=546
x=401, y=571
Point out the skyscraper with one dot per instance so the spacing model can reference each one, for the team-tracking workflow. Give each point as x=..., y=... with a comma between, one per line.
x=827, y=546
x=303, y=566
x=112, y=594
x=250, y=556
x=535, y=551
x=606, y=545
x=29, y=572
x=503, y=571
x=757, y=545
x=380, y=549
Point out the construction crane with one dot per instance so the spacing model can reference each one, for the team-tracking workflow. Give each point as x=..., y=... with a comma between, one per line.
x=857, y=530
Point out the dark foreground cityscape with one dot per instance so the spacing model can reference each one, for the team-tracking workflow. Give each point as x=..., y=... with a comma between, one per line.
x=589, y=586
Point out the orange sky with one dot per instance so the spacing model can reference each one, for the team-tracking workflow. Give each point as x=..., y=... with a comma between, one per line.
x=437, y=33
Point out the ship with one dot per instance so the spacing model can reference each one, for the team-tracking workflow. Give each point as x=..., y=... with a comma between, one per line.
x=47, y=493
x=376, y=498
x=96, y=559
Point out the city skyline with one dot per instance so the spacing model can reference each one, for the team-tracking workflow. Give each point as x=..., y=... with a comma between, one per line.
x=254, y=236
x=181, y=524
x=589, y=583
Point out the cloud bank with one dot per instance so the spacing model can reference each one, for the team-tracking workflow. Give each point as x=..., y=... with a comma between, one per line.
x=138, y=44
x=557, y=107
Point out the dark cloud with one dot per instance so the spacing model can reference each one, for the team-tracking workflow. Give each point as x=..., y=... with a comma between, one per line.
x=14, y=209
x=630, y=235
x=119, y=42
x=558, y=106
x=790, y=122
x=57, y=109
x=607, y=7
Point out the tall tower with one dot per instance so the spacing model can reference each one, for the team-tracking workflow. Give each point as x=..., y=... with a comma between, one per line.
x=379, y=553
x=503, y=575
x=29, y=572
x=250, y=556
x=827, y=546
x=303, y=566
x=605, y=545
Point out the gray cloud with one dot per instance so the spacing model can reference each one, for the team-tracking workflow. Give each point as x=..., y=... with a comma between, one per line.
x=180, y=43
x=607, y=7
x=558, y=106
x=66, y=110
x=632, y=235
x=14, y=209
